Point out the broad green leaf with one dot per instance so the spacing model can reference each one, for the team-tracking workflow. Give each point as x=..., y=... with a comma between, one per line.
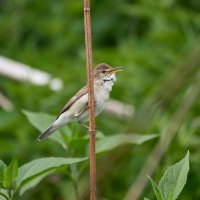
x=10, y=174
x=41, y=121
x=156, y=189
x=111, y=142
x=32, y=182
x=174, y=179
x=4, y=194
x=37, y=167
x=146, y=199
x=2, y=168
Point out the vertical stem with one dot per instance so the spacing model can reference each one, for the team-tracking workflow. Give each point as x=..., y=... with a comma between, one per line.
x=88, y=43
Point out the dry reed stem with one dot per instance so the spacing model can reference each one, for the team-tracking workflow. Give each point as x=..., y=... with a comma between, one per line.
x=88, y=43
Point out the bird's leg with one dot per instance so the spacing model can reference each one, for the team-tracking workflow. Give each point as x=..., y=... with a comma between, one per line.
x=84, y=125
x=84, y=109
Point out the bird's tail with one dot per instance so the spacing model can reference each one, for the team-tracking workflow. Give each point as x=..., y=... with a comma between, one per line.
x=47, y=133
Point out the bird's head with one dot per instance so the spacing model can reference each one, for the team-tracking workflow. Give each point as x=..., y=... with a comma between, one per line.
x=105, y=72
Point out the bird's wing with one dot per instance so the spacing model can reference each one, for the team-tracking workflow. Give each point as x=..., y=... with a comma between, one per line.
x=77, y=96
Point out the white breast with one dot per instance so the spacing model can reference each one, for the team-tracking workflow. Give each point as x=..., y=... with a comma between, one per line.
x=100, y=100
x=102, y=92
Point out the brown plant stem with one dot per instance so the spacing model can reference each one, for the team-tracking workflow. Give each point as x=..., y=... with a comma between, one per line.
x=88, y=43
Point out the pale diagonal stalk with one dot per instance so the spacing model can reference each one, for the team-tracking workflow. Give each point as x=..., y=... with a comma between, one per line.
x=161, y=147
x=164, y=94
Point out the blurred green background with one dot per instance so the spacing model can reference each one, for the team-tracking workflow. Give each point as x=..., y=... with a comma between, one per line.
x=158, y=44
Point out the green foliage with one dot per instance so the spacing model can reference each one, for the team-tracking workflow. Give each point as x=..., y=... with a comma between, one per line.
x=32, y=182
x=2, y=169
x=64, y=138
x=158, y=193
x=111, y=142
x=9, y=176
x=41, y=121
x=31, y=173
x=173, y=180
x=156, y=42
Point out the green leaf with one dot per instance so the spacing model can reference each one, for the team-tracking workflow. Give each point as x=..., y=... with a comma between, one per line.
x=10, y=174
x=4, y=194
x=32, y=182
x=41, y=121
x=2, y=168
x=111, y=142
x=39, y=166
x=174, y=179
x=156, y=189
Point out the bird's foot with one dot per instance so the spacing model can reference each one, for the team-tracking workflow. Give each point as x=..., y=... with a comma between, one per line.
x=84, y=125
x=93, y=132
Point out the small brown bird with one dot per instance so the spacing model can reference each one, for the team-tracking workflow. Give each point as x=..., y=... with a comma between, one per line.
x=76, y=110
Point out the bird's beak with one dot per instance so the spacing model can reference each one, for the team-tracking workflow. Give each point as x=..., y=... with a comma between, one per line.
x=115, y=69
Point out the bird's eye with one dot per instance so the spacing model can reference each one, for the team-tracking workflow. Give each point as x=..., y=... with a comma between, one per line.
x=104, y=71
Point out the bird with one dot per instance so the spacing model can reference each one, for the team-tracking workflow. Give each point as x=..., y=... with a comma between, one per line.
x=77, y=108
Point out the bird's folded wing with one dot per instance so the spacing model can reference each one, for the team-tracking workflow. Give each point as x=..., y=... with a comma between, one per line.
x=77, y=96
